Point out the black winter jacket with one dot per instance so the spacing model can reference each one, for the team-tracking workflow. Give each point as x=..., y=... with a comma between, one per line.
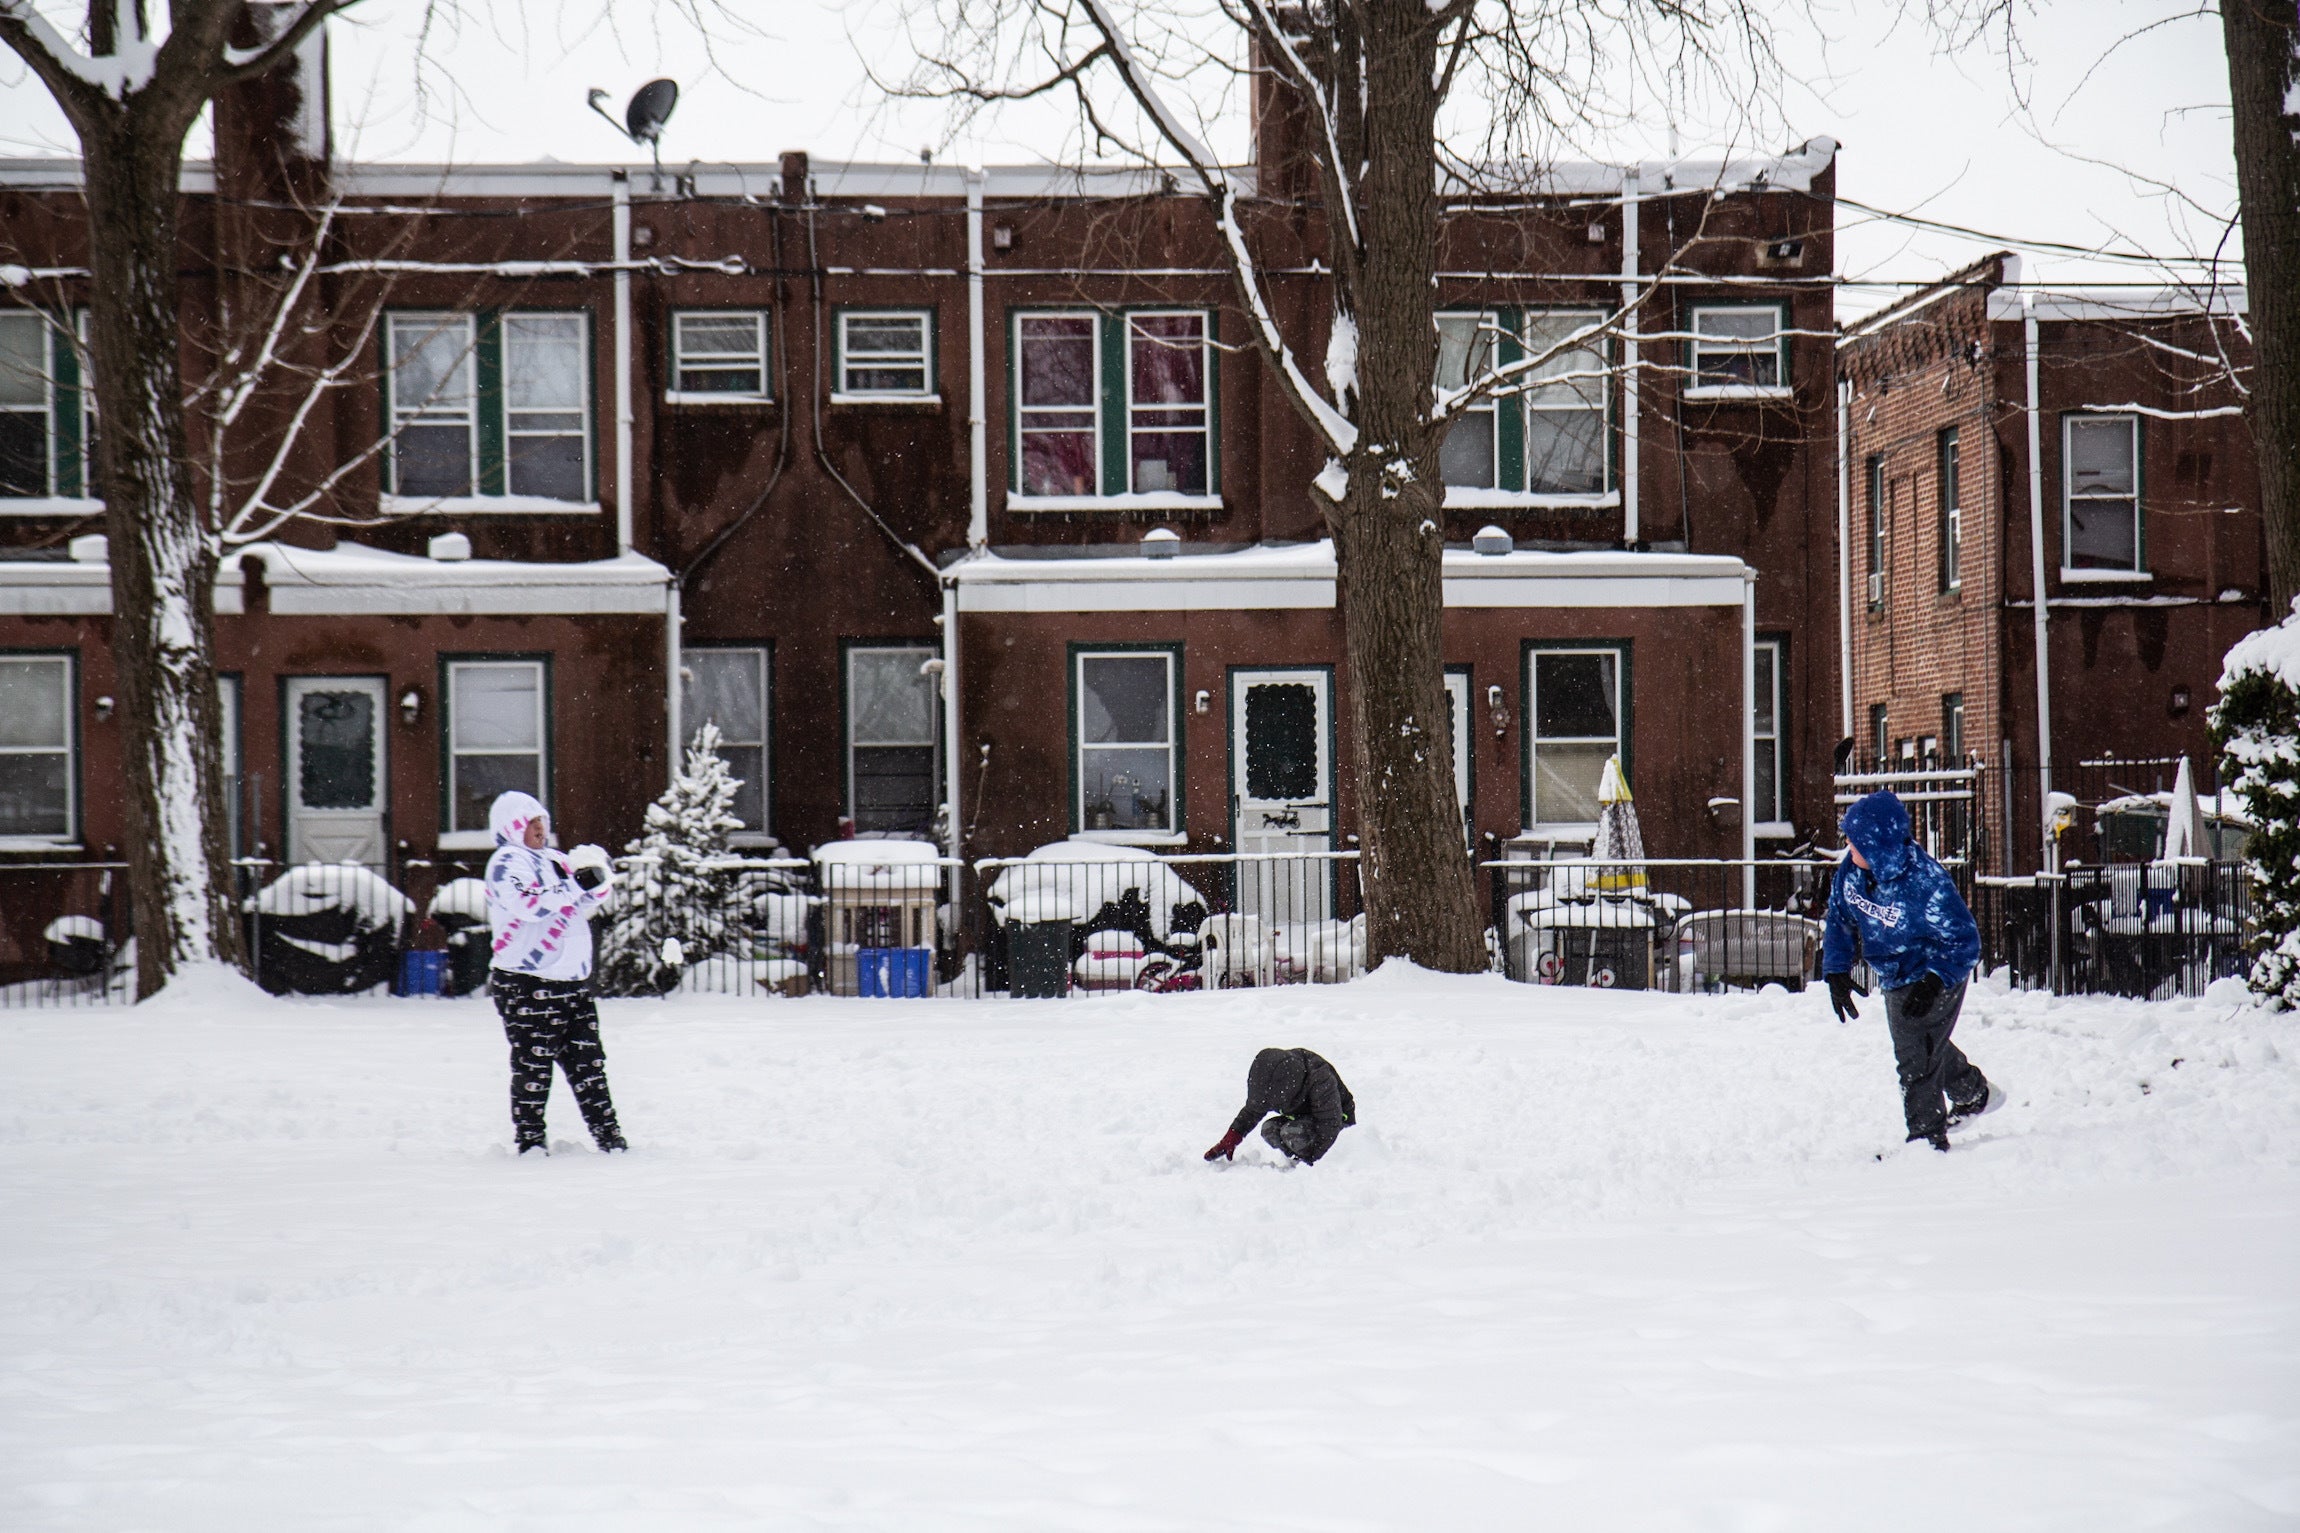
x=1295, y=1083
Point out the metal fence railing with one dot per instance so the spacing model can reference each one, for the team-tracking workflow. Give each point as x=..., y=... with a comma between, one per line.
x=895, y=918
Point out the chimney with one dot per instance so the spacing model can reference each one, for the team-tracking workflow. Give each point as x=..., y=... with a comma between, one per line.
x=272, y=135
x=1284, y=169
x=795, y=177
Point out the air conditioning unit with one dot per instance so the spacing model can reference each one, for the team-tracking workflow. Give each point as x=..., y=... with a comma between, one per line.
x=1877, y=588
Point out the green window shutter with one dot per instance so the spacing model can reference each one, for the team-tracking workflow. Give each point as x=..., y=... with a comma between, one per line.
x=67, y=463
x=1509, y=409
x=489, y=360
x=1114, y=475
x=1213, y=414
x=1013, y=404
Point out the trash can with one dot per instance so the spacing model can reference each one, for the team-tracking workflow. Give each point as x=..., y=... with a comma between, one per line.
x=1038, y=960
x=422, y=972
x=898, y=972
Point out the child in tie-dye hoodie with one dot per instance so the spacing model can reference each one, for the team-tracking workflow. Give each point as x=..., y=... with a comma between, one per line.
x=539, y=905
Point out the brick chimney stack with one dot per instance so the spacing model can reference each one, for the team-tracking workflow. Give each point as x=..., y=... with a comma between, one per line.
x=274, y=142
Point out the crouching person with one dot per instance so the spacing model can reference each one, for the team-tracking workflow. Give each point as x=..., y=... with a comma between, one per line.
x=1310, y=1105
x=539, y=904
x=1912, y=926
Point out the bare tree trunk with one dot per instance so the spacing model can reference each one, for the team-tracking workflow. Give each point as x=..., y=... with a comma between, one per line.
x=1389, y=542
x=163, y=559
x=2260, y=36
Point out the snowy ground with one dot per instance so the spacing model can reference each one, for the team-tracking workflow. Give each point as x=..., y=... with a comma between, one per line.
x=1594, y=1261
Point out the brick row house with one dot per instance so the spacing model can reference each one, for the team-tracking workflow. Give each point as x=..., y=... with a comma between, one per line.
x=2092, y=440
x=928, y=486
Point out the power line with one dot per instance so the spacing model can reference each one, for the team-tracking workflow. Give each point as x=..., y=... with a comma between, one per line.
x=2058, y=247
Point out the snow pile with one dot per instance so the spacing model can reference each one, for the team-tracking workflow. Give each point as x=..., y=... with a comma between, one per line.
x=892, y=865
x=326, y=886
x=2256, y=724
x=1590, y=1260
x=1078, y=880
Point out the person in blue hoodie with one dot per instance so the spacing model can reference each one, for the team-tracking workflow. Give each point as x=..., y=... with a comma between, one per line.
x=539, y=906
x=1893, y=902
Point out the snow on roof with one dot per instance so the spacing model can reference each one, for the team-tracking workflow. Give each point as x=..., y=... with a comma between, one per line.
x=2227, y=806
x=1792, y=171
x=868, y=851
x=2112, y=303
x=1302, y=575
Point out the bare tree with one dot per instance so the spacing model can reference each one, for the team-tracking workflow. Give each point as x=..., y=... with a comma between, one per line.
x=1369, y=83
x=131, y=95
x=2261, y=38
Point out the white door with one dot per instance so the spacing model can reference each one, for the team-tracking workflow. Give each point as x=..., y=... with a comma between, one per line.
x=335, y=769
x=1458, y=735
x=1282, y=791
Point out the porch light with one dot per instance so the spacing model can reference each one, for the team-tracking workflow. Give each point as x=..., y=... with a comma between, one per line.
x=1497, y=710
x=1204, y=701
x=410, y=706
x=103, y=710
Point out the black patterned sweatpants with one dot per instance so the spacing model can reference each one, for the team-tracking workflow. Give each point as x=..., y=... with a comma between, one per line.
x=553, y=1022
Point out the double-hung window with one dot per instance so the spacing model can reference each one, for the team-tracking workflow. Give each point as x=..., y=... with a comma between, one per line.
x=490, y=406
x=1110, y=405
x=1876, y=479
x=43, y=411
x=1952, y=514
x=2100, y=529
x=1544, y=436
x=1576, y=717
x=496, y=737
x=719, y=355
x=1738, y=351
x=892, y=722
x=728, y=687
x=36, y=747
x=885, y=354
x=1126, y=770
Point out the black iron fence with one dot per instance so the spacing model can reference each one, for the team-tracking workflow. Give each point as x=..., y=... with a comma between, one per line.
x=893, y=918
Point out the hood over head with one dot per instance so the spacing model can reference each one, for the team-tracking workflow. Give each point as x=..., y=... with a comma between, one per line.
x=1274, y=1079
x=509, y=814
x=1879, y=826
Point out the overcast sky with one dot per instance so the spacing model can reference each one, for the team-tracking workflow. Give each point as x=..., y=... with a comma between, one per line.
x=1941, y=134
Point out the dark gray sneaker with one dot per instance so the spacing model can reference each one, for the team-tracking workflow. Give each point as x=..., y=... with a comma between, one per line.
x=1989, y=1102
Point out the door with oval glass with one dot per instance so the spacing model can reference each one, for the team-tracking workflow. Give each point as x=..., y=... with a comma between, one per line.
x=335, y=769
x=1282, y=790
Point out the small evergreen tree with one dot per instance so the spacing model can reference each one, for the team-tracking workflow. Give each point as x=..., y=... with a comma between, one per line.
x=673, y=881
x=2256, y=725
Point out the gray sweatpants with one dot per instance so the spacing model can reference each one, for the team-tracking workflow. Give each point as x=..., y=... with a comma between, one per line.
x=1931, y=1067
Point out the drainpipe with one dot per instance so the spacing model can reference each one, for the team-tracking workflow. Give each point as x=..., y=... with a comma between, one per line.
x=1845, y=552
x=955, y=835
x=674, y=701
x=2045, y=857
x=1631, y=531
x=977, y=422
x=1748, y=738
x=623, y=474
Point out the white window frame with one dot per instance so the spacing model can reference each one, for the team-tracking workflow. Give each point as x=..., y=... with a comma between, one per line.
x=55, y=345
x=691, y=720
x=929, y=390
x=1487, y=324
x=478, y=337
x=1022, y=412
x=933, y=743
x=427, y=412
x=761, y=358
x=1778, y=827
x=1204, y=407
x=2069, y=572
x=453, y=837
x=1529, y=393
x=1951, y=470
x=68, y=679
x=1697, y=345
x=1533, y=739
x=1172, y=832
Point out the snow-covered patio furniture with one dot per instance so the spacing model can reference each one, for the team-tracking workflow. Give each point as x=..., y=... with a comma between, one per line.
x=459, y=908
x=1743, y=949
x=327, y=929
x=1237, y=949
x=1113, y=960
x=1588, y=938
x=1097, y=887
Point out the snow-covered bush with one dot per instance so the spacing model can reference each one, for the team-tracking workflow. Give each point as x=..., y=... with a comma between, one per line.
x=677, y=880
x=2256, y=724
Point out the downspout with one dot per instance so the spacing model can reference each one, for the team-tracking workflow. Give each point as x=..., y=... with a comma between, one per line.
x=977, y=421
x=623, y=474
x=674, y=661
x=1845, y=552
x=1748, y=738
x=1632, y=380
x=2045, y=858
x=954, y=833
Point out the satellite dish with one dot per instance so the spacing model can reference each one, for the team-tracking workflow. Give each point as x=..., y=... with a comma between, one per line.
x=643, y=119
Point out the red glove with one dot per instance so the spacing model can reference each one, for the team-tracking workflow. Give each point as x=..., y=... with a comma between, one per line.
x=1222, y=1151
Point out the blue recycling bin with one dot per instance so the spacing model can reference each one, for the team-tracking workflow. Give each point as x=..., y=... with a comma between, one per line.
x=422, y=973
x=899, y=972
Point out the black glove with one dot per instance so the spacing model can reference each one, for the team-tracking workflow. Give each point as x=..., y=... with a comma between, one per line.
x=1841, y=993
x=1917, y=1000
x=590, y=876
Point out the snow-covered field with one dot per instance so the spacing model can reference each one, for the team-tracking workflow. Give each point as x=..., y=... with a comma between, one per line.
x=1593, y=1261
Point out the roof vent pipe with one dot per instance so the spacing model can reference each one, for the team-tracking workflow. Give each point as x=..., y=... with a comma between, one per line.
x=1491, y=540
x=90, y=548
x=1161, y=543
x=450, y=548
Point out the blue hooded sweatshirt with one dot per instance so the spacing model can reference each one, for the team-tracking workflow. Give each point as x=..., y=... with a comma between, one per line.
x=1903, y=908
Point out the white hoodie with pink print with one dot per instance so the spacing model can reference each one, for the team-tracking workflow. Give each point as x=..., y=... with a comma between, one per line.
x=540, y=915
